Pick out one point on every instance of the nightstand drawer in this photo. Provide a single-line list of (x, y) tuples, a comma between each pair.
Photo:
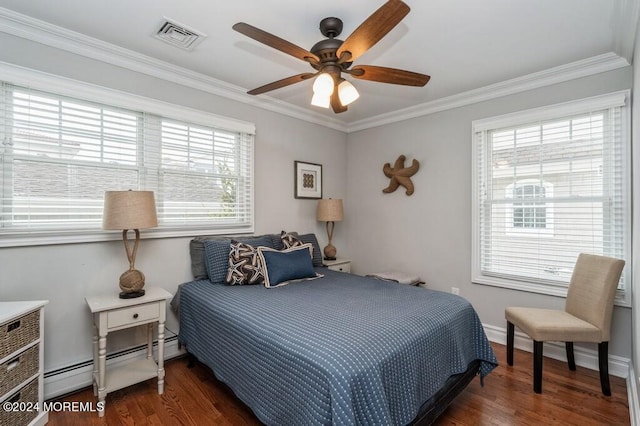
[(342, 267), (132, 315)]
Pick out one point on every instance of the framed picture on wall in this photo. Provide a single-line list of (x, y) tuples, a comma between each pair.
[(308, 180)]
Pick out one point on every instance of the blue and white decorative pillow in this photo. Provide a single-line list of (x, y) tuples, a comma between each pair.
[(245, 266), (290, 239), (288, 265), (216, 255)]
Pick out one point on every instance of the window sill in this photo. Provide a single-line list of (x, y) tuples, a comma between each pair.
[(621, 299), (92, 236)]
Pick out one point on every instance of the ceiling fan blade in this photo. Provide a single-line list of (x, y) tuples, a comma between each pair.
[(336, 105), (389, 75), (372, 30), (275, 42), (281, 83)]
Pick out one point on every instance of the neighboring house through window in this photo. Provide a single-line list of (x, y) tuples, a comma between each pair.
[(530, 209)]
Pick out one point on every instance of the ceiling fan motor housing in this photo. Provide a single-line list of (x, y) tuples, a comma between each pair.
[(326, 49), (331, 27)]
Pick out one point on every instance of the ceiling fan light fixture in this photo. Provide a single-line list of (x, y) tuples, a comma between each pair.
[(323, 85), (321, 100), (347, 93), (331, 57)]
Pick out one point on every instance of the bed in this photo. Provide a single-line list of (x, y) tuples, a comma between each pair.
[(341, 349)]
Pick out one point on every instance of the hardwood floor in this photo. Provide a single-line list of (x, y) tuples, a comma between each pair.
[(193, 396)]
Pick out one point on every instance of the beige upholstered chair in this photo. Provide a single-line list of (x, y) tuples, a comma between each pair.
[(586, 318)]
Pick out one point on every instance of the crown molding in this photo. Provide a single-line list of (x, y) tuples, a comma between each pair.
[(594, 65), (32, 29), (625, 25), (42, 32)]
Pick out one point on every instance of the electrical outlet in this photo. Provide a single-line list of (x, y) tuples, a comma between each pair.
[(455, 290)]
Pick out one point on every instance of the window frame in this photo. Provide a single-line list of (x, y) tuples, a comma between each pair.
[(566, 109), (65, 87)]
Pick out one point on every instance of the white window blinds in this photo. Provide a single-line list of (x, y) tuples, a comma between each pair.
[(59, 155), (205, 176), (550, 184)]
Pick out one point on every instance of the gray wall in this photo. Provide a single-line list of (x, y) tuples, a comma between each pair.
[(429, 233), (66, 274)]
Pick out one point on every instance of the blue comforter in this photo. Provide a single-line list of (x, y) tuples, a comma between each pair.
[(342, 350)]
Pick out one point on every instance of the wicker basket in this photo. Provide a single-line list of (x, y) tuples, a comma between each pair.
[(29, 393), (18, 369), (18, 333)]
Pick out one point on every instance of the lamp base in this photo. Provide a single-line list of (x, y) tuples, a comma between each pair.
[(131, 284), (131, 295), (330, 252)]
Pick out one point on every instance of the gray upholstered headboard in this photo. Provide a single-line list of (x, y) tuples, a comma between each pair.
[(196, 249)]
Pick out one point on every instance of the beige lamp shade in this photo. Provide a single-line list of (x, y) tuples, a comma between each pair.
[(129, 210), (330, 210)]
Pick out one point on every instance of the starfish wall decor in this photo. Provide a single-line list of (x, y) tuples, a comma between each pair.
[(400, 175)]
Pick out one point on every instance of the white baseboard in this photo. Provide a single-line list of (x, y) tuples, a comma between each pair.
[(588, 358), (73, 379)]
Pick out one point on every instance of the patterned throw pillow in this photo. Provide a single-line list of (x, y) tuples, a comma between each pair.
[(290, 240), (245, 266), (216, 254)]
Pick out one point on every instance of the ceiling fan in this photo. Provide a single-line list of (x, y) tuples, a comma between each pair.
[(332, 57)]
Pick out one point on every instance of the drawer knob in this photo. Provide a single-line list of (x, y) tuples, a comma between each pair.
[(135, 316)]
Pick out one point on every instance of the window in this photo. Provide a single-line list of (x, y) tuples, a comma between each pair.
[(549, 184), (60, 154)]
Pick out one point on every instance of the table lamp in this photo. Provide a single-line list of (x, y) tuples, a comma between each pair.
[(330, 211), (130, 210)]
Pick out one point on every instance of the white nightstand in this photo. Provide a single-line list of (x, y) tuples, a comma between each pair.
[(340, 265), (111, 313)]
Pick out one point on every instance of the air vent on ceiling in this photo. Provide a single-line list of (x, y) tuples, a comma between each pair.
[(179, 35)]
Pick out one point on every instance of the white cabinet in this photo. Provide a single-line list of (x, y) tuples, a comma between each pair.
[(22, 363)]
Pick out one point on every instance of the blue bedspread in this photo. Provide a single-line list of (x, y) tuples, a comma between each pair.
[(343, 349)]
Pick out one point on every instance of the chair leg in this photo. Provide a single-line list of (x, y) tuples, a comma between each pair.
[(191, 361), (537, 366), (510, 333), (603, 361), (570, 359)]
